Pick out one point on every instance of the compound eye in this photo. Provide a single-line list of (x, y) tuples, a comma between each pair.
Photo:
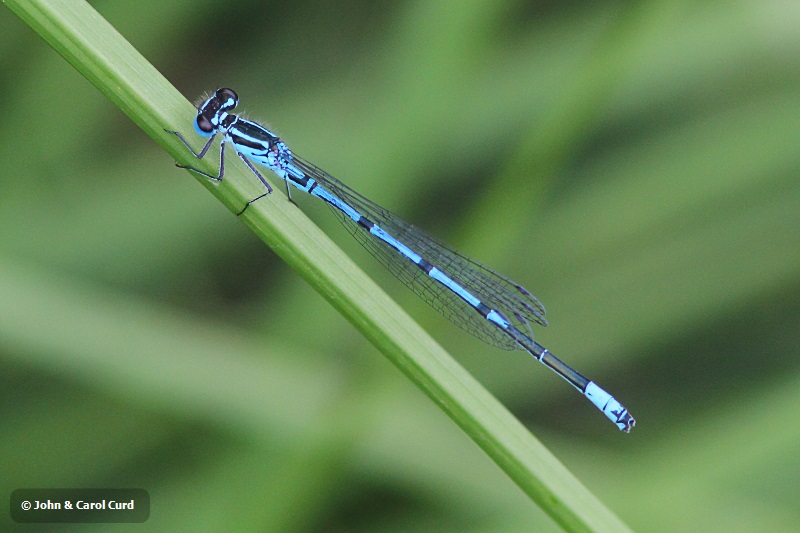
[(227, 99), (204, 126), (228, 94)]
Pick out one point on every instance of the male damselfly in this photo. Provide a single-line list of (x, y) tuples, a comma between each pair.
[(474, 297)]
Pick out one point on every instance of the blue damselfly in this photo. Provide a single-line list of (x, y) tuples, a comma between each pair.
[(474, 297)]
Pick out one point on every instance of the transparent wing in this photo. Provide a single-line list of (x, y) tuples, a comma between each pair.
[(519, 306)]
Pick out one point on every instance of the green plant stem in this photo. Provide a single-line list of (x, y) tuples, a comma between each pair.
[(111, 64)]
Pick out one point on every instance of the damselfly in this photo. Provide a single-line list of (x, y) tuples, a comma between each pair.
[(474, 297)]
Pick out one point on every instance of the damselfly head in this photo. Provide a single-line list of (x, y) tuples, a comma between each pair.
[(213, 111)]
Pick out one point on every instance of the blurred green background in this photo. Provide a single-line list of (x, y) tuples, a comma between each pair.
[(633, 164)]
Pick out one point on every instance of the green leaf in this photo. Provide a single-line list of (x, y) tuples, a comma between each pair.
[(112, 65)]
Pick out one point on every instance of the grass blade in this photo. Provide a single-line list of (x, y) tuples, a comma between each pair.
[(112, 65)]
